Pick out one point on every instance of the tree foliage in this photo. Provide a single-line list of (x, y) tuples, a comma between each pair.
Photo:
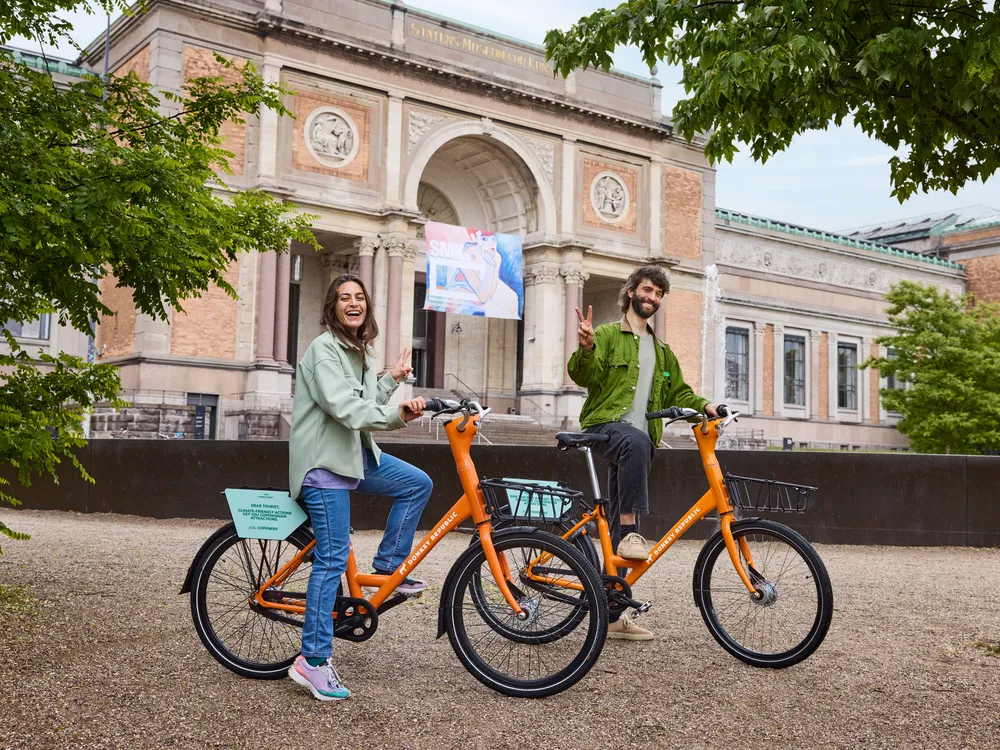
[(945, 358), (922, 77), (108, 180)]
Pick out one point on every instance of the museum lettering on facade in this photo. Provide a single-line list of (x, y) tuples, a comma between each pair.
[(402, 117)]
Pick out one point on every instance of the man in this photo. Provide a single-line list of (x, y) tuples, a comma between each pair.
[(627, 372)]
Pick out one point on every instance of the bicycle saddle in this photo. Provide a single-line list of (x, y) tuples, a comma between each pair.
[(578, 439)]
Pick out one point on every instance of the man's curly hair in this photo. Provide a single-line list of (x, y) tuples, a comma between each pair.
[(654, 274)]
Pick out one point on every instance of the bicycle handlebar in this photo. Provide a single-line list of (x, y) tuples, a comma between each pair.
[(673, 413)]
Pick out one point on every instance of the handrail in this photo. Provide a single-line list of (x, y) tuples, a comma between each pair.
[(537, 405), (466, 385)]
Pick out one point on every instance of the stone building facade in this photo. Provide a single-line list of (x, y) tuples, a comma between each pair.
[(401, 117)]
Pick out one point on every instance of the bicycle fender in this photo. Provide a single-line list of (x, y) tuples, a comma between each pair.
[(222, 530), (471, 550)]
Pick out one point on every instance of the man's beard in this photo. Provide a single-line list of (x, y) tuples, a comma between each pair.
[(637, 307)]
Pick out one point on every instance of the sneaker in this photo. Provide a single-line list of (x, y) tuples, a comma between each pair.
[(625, 629), (634, 547), (408, 586), (323, 681)]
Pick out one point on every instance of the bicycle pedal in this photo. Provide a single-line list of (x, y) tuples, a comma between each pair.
[(413, 595), (643, 608)]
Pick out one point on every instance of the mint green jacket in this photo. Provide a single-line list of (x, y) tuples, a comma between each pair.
[(610, 372), (335, 409)]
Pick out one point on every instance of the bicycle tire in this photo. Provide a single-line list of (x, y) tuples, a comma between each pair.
[(716, 597), (272, 645), (461, 620), (583, 542)]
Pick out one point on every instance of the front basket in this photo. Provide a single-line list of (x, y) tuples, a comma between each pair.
[(764, 495), (529, 500)]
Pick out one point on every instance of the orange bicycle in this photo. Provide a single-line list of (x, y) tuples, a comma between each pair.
[(770, 603), (521, 628)]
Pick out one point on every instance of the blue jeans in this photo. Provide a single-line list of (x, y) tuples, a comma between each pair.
[(330, 512)]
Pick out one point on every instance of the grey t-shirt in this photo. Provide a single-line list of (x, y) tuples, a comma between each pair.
[(636, 415)]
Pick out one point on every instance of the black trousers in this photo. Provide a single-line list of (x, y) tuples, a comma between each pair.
[(630, 453)]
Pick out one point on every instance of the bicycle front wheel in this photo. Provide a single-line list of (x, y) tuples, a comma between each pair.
[(251, 641), (536, 655), (789, 619)]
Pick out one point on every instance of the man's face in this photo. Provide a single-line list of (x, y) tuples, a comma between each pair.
[(646, 299)]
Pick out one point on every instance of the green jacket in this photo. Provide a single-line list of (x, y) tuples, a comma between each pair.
[(610, 372), (335, 409)]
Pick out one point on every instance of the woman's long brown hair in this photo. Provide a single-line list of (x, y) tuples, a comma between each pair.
[(368, 331)]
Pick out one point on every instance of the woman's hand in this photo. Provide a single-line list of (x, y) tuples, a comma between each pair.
[(412, 409), (401, 371)]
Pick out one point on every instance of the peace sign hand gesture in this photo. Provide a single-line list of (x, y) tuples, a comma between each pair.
[(585, 331), (401, 371)]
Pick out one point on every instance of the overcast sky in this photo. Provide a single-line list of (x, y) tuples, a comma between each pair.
[(832, 180)]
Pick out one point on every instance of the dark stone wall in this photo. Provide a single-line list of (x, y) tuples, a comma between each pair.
[(892, 499)]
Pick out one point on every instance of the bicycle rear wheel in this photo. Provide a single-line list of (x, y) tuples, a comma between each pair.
[(539, 655), (789, 620), (252, 642)]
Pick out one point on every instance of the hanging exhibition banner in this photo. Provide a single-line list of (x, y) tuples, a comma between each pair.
[(471, 272)]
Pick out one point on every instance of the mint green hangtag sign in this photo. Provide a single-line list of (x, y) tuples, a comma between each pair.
[(264, 514), (531, 504)]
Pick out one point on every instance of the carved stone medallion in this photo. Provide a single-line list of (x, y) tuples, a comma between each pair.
[(609, 197), (332, 137)]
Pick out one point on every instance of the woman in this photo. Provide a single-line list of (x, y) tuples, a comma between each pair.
[(338, 403)]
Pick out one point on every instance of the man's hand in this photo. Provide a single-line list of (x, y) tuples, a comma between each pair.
[(585, 330), (401, 371), (412, 409), (712, 410)]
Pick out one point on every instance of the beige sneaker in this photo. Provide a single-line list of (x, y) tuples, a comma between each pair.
[(626, 630), (634, 547)]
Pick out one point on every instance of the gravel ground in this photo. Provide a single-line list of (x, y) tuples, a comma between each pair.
[(107, 658)]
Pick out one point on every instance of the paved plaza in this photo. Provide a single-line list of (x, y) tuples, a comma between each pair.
[(107, 657)]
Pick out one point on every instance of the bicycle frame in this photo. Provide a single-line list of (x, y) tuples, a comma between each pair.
[(470, 505), (715, 498)]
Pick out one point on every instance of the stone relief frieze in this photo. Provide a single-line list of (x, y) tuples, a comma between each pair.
[(332, 137), (609, 197), (420, 123), (795, 265), (546, 153)]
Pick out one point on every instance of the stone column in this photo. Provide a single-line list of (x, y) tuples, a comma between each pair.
[(282, 280), (568, 208), (395, 246), (864, 376), (655, 206), (542, 366), (265, 306), (758, 368), (832, 373), (333, 266), (813, 370), (573, 274), (779, 370), (366, 254), (268, 159), (394, 150)]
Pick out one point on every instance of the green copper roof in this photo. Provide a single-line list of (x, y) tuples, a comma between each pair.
[(837, 239), (50, 64)]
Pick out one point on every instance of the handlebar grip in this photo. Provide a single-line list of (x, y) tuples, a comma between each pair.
[(672, 412), (722, 410), (434, 404)]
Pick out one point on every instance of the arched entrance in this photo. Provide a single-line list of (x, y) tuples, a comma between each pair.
[(474, 181)]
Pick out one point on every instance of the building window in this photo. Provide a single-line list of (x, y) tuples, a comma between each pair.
[(36, 329), (795, 370), (847, 376), (890, 380), (737, 364)]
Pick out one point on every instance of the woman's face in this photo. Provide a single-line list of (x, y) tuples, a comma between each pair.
[(351, 308)]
